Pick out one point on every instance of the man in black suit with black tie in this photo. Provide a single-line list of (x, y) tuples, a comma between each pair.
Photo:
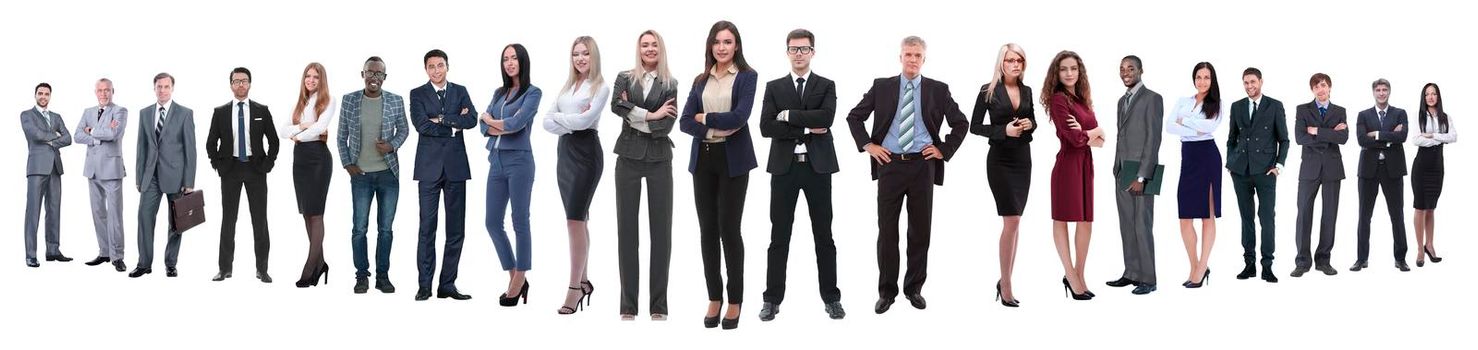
[(232, 127), (907, 154), (1257, 148), (1380, 131), (797, 114), (1320, 128)]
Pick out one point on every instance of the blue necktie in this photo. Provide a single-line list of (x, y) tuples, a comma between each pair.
[(1322, 111), (241, 132)]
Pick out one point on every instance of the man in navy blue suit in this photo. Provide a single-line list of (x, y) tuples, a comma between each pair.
[(440, 111)]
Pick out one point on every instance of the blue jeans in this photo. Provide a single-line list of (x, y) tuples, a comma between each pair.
[(510, 179), (385, 186)]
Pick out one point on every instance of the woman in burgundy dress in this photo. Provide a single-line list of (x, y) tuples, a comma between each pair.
[(1070, 106)]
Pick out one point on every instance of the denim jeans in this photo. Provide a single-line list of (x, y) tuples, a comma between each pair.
[(385, 186)]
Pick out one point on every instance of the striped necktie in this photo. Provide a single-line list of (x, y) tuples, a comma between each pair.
[(905, 126)]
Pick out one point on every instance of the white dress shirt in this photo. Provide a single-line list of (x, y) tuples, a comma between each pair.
[(638, 115), (1438, 138), (243, 107), (800, 148), (566, 117), (319, 120), (1193, 125)]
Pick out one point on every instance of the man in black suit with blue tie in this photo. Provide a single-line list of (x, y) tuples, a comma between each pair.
[(235, 147), (1257, 148), (1380, 131), (1320, 128), (440, 111), (797, 113)]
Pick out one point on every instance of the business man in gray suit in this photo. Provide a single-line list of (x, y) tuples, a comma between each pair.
[(166, 168), (101, 128), (1319, 127), (45, 137), (1141, 113)]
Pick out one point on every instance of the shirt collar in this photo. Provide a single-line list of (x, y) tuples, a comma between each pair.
[(1324, 105), (166, 106), (1378, 108), (733, 69), (439, 88), (807, 76), (41, 110), (1135, 89), (235, 101), (915, 81)]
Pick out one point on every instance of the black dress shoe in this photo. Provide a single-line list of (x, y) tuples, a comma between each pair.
[(1299, 271), (1327, 270), (883, 305), (1143, 288), (423, 294), (64, 258), (916, 300), (264, 277), (97, 261), (361, 285), (1359, 265), (834, 310), (1401, 265), (171, 272), (221, 276), (768, 311), (453, 293), (118, 265), (140, 271), (1121, 282), (730, 323), (383, 284), (1247, 272), (31, 262), (1267, 275)]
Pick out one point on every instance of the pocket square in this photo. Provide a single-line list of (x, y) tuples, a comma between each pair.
[(256, 118)]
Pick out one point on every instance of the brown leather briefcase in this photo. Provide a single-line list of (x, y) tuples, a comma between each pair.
[(189, 210)]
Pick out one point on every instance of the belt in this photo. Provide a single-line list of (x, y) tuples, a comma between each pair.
[(800, 158), (908, 156)]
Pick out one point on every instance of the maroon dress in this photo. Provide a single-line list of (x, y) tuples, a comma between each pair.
[(1072, 176)]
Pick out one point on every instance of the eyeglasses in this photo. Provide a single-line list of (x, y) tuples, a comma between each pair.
[(1015, 60), (240, 81), (799, 49), (374, 75)]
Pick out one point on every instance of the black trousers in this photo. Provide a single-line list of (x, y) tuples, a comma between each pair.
[(1256, 196), (901, 182), (720, 203), (454, 194), (785, 190), (232, 180), (1369, 188), (1307, 191)]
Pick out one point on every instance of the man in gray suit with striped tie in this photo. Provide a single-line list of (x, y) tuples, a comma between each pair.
[(45, 136), (101, 128), (166, 168)]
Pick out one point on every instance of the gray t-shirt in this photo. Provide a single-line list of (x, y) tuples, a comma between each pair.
[(371, 113)]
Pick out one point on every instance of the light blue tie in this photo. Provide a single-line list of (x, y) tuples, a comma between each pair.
[(241, 132), (905, 127)]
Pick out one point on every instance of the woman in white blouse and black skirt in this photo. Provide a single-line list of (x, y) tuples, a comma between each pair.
[(574, 117), (312, 164), (1195, 119), (1434, 130)]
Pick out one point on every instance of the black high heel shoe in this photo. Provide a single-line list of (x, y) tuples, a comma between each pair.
[(1205, 279), (523, 292), (1006, 303), (1431, 255), (731, 323), (322, 274), (589, 290), (1068, 289), (566, 310), (710, 322)]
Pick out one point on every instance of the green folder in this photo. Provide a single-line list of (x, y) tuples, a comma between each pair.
[(1129, 172)]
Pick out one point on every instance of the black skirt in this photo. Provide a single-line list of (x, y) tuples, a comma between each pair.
[(312, 169), (1426, 177), (1199, 193), (579, 170), (1008, 171)]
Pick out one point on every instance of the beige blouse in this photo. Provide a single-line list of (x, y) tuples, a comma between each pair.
[(718, 96)]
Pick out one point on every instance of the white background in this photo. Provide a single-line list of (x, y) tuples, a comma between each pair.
[(72, 44)]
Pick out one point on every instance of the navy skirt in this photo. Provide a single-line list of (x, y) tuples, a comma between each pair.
[(1199, 194)]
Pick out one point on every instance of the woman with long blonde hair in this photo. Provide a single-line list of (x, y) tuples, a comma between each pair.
[(1008, 164), (574, 117)]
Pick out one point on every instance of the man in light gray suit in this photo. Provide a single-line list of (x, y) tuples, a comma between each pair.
[(166, 167), (1141, 113), (102, 128), (45, 136)]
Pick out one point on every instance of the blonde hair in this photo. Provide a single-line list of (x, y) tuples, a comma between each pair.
[(990, 89), (593, 74), (663, 74)]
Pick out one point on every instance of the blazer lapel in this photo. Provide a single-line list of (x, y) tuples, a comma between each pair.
[(888, 105), (1124, 117)]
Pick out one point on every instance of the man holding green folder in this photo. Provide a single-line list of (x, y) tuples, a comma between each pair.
[(1137, 175)]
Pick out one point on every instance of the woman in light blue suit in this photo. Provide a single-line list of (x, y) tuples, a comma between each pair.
[(511, 168)]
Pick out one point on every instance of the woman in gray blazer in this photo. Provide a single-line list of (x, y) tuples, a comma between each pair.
[(645, 98)]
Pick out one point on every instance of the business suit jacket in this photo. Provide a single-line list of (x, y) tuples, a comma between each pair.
[(43, 142), (653, 146), (104, 143), (173, 154), (220, 141), (1258, 141), (739, 147), (818, 111), (1140, 133), (1389, 142), (441, 151), (393, 128), (938, 108), (1321, 157)]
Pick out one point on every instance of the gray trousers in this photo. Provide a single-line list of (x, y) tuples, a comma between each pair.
[(629, 174), (149, 201), (1136, 222), (43, 190), (107, 216)]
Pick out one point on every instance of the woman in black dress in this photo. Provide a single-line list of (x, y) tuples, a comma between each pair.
[(1435, 129), (312, 164), (1009, 164)]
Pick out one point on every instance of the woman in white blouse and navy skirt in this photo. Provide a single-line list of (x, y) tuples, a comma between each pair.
[(1195, 120), (312, 164), (576, 112), (1435, 129)]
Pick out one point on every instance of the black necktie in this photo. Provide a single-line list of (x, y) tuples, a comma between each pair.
[(1381, 117), (1322, 111), (440, 95), (800, 90), (100, 114), (159, 125)]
